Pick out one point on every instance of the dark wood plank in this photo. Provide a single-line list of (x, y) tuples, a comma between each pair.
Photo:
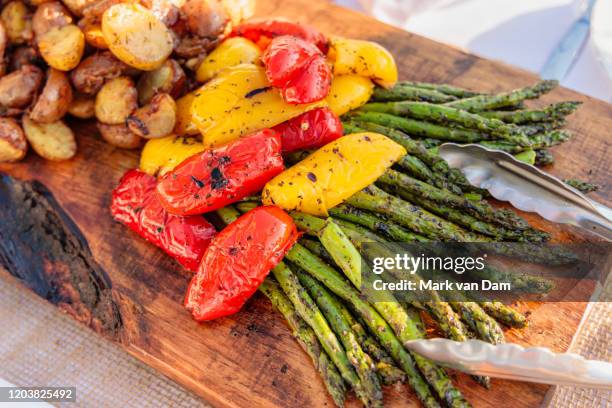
[(250, 359)]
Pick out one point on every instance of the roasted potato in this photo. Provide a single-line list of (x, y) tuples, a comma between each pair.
[(62, 47), (119, 136), (169, 78), (116, 100), (205, 18), (77, 7), (136, 36), (50, 15), (52, 141), (18, 88), (157, 119), (82, 106), (239, 10), (89, 76), (55, 98), (191, 46), (23, 55), (93, 35), (17, 21), (231, 52), (13, 144), (3, 46), (166, 11)]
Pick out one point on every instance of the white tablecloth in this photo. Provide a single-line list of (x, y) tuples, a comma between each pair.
[(518, 32)]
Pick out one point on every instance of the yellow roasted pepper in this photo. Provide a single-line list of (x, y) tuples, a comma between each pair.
[(240, 101), (159, 156), (349, 92), (333, 173), (184, 125), (364, 58), (231, 52)]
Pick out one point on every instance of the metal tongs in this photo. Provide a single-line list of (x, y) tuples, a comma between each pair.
[(513, 362), (528, 188)]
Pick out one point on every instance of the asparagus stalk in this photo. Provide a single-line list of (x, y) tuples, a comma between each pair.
[(481, 323), (363, 363), (410, 216), (504, 314), (420, 128), (403, 92), (544, 157), (378, 326), (481, 210), (442, 88), (542, 127), (388, 371), (414, 166), (449, 115), (582, 186), (487, 102), (375, 223), (307, 339), (549, 113), (309, 311), (538, 141)]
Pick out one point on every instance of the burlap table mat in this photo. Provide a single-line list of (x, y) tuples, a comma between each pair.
[(41, 346)]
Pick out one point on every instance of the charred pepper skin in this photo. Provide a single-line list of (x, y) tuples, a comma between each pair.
[(238, 260), (134, 203), (217, 177), (310, 130)]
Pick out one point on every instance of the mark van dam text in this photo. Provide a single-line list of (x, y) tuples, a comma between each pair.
[(404, 285)]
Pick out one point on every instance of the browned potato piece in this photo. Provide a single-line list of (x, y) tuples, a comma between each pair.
[(154, 120), (94, 36), (18, 88), (191, 46), (239, 10), (13, 144), (169, 78), (136, 36), (91, 73), (116, 100), (165, 11), (24, 55), (62, 47), (77, 7), (17, 20), (55, 98), (82, 106), (50, 15), (3, 45), (205, 18), (52, 141), (120, 136)]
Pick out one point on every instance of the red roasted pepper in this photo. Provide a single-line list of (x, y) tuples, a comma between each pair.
[(135, 204), (238, 260), (310, 130), (298, 68), (217, 177), (263, 32)]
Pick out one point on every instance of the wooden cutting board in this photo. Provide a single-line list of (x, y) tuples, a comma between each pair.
[(131, 293)]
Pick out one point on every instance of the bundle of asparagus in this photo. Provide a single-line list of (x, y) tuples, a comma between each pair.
[(358, 344)]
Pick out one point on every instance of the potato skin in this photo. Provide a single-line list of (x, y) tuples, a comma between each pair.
[(205, 18), (17, 21), (116, 100), (119, 136), (82, 106), (62, 47), (136, 36), (154, 120), (55, 98), (13, 144), (50, 15), (18, 88), (89, 76), (169, 78), (3, 46), (52, 141), (93, 35), (23, 55)]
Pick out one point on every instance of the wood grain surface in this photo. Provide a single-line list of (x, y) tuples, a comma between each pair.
[(250, 359)]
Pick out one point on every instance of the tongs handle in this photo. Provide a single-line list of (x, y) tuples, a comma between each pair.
[(513, 362)]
